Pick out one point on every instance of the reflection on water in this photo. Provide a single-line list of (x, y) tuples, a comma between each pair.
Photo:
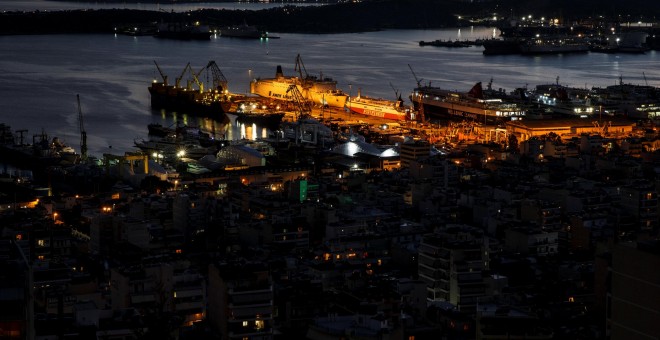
[(217, 129), (112, 74)]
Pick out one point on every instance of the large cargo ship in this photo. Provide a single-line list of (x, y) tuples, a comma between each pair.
[(192, 99), (317, 90), (537, 45), (183, 31), (244, 31), (377, 107), (472, 105), (554, 45)]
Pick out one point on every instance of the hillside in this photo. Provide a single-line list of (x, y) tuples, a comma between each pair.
[(343, 17)]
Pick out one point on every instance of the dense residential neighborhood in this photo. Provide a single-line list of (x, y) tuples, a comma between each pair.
[(558, 231)]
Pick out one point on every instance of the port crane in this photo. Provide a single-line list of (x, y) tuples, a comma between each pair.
[(302, 106), (420, 110), (83, 133), (177, 81), (306, 81), (162, 75), (219, 81), (300, 68)]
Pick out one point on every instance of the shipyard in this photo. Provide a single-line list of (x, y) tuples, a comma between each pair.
[(193, 179), (371, 191)]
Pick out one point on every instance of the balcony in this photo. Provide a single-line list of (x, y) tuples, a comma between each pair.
[(248, 299), (250, 312)]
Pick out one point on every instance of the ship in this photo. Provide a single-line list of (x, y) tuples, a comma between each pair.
[(377, 107), (562, 100), (244, 31), (554, 45), (191, 99), (317, 90), (183, 31), (501, 46), (42, 153), (472, 105)]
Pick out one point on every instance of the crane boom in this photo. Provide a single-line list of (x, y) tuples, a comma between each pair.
[(417, 80), (83, 134), (302, 105), (220, 83), (300, 67), (177, 81), (162, 75)]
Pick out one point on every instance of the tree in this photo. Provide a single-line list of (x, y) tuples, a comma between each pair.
[(512, 144)]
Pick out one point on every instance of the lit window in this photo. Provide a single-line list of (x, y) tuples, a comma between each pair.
[(259, 324), (245, 323), (41, 243)]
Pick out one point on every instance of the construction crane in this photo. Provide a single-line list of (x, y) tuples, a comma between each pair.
[(177, 81), (219, 81), (162, 75), (195, 77), (83, 134), (302, 105), (420, 110), (417, 80), (300, 68)]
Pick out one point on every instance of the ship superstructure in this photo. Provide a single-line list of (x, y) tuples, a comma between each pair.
[(317, 90), (472, 105)]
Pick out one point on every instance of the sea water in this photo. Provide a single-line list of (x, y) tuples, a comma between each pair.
[(40, 75)]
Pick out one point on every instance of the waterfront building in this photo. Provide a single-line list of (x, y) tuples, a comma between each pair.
[(413, 151), (567, 128)]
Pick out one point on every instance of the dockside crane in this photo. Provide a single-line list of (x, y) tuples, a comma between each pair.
[(420, 110), (177, 81), (219, 81), (302, 106), (83, 133), (417, 80), (162, 75), (303, 110), (300, 68)]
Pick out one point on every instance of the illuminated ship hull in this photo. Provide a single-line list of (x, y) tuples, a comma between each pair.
[(318, 91), (206, 104), (437, 102), (378, 108)]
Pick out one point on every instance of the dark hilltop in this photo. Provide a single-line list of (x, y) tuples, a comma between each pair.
[(332, 18)]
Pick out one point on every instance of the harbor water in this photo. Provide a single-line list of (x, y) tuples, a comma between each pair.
[(40, 75)]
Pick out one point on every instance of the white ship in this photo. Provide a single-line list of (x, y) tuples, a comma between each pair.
[(317, 90)]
